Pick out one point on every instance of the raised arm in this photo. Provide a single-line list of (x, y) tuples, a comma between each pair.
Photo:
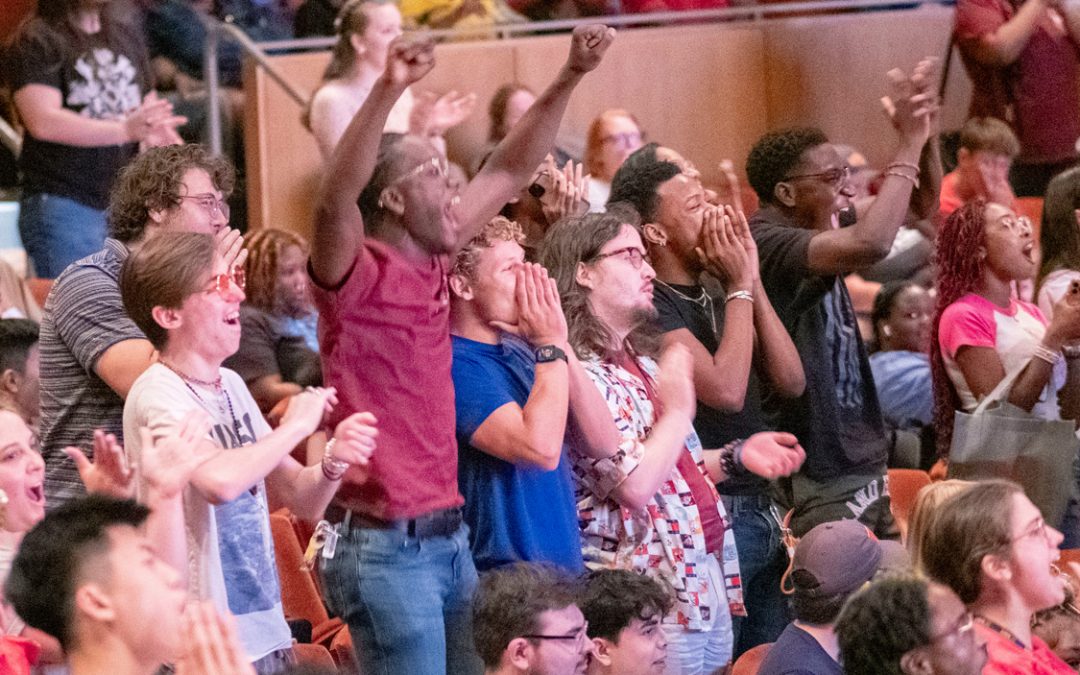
[(533, 435), (843, 250), (1003, 46), (516, 157), (339, 229)]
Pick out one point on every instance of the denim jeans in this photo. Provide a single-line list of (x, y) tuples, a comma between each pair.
[(762, 561), (57, 231), (407, 601)]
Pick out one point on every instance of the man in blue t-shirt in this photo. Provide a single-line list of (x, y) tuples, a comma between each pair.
[(514, 377)]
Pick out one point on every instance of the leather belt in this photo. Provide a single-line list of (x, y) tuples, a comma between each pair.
[(441, 523)]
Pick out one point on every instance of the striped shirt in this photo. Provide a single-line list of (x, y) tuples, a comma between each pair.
[(84, 316)]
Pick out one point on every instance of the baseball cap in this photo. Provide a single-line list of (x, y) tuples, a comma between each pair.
[(840, 556)]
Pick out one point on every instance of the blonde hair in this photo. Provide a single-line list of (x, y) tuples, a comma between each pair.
[(496, 230), (927, 504)]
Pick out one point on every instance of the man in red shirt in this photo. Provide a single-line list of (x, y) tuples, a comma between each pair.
[(387, 218), (1022, 59)]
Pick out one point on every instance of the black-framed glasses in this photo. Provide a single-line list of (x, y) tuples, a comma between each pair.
[(833, 177), (211, 204), (632, 253), (580, 636)]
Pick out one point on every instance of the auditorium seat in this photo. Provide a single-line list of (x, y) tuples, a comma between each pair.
[(1032, 207), (299, 596), (343, 652), (904, 486), (750, 661), (39, 288), (314, 655)]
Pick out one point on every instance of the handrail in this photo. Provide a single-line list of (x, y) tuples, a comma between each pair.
[(216, 29), (10, 138)]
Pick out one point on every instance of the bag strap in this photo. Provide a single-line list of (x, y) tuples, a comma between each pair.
[(788, 538), (945, 68)]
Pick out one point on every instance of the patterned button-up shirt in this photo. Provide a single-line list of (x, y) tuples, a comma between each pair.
[(665, 540)]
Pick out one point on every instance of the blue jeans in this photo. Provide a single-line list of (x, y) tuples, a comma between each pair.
[(407, 601), (57, 231), (762, 561)]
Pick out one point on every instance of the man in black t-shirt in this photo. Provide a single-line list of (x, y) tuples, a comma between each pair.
[(686, 236), (803, 186)]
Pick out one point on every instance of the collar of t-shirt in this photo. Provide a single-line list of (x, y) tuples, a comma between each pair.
[(712, 525)]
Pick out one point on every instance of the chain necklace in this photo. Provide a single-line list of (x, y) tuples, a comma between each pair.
[(704, 301), (222, 398)]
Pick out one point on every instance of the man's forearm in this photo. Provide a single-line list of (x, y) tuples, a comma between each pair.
[(924, 203)]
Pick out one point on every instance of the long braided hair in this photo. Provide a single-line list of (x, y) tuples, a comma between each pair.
[(959, 271), (265, 248)]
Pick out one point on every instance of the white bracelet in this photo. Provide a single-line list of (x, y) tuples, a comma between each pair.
[(740, 295), (1044, 353), (332, 468)]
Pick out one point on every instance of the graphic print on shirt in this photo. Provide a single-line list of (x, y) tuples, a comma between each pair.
[(105, 86)]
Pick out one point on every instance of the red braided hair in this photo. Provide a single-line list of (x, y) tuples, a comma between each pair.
[(959, 271)]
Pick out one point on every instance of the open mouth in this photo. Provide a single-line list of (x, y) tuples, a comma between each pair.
[(1029, 251), (233, 319), (36, 494)]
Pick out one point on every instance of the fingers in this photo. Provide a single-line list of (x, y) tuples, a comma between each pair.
[(82, 462)]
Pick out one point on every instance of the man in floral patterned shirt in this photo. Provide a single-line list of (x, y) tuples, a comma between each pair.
[(662, 515)]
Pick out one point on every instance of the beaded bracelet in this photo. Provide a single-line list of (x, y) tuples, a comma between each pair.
[(731, 458), (740, 295), (914, 181), (906, 165), (332, 468)]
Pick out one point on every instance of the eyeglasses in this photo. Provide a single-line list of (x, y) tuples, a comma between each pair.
[(630, 139), (1040, 529), (435, 167), (633, 254), (581, 636), (963, 625), (211, 204), (1021, 223), (833, 177), (222, 283)]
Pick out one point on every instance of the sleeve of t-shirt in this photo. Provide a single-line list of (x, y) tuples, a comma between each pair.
[(965, 324), (975, 18), (257, 356), (783, 252), (36, 57), (157, 402), (89, 315), (479, 390), (668, 314)]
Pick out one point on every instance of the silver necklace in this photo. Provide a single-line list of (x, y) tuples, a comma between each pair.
[(704, 300)]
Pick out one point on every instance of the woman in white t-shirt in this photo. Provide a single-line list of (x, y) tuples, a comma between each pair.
[(982, 332), (365, 29), (1059, 240)]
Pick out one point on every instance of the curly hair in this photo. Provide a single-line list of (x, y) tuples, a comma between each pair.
[(638, 179), (775, 154), (509, 601), (497, 109), (151, 182), (967, 527), (497, 229), (881, 623), (959, 271), (614, 598), (572, 241), (1059, 237), (265, 248), (883, 306)]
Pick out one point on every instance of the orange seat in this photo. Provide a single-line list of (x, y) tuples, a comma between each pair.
[(39, 288), (314, 655), (904, 486), (750, 661), (1032, 207), (1069, 555), (299, 596), (344, 654)]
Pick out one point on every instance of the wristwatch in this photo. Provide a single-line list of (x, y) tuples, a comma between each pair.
[(549, 353)]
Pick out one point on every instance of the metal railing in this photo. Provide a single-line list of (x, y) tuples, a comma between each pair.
[(218, 30)]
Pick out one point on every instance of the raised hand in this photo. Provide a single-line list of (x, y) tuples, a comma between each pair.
[(308, 408), (355, 439), (151, 119), (909, 105), (587, 47), (450, 110), (675, 382), (772, 454), (731, 182), (721, 251), (212, 647), (166, 464), (570, 191), (411, 57), (109, 473), (229, 251), (540, 316), (742, 233)]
